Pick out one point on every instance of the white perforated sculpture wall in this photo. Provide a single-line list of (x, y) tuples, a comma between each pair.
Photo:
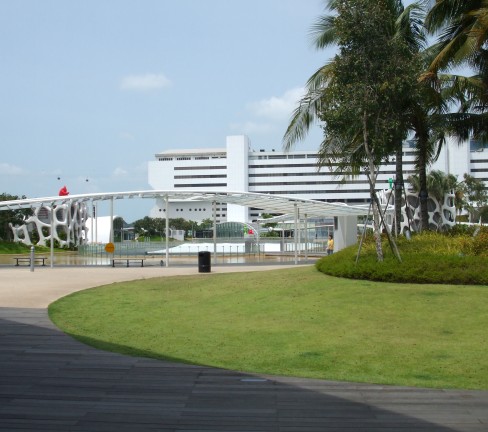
[(441, 216), (68, 225)]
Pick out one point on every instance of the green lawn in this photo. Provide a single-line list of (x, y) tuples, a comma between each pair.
[(296, 322), (20, 248)]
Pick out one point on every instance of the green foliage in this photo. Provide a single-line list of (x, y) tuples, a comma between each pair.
[(462, 28), (145, 226), (477, 245), (372, 77), (296, 322), (15, 217), (428, 257), (268, 225), (475, 196), (438, 185), (156, 227), (19, 248), (34, 235), (270, 234)]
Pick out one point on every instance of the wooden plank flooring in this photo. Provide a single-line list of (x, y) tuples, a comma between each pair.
[(50, 382)]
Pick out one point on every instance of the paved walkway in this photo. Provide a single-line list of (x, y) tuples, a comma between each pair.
[(50, 382)]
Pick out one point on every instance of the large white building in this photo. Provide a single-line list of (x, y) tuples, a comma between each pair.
[(239, 168)]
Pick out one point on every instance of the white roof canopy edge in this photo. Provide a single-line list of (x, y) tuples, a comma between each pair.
[(272, 203)]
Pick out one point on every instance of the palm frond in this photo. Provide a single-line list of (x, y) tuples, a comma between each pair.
[(323, 32)]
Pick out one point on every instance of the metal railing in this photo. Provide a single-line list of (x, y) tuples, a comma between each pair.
[(226, 251)]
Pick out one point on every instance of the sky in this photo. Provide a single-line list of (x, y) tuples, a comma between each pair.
[(91, 90)]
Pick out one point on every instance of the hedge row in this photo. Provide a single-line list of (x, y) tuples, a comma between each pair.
[(459, 256)]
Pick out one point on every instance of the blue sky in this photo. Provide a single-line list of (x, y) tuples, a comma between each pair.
[(91, 90)]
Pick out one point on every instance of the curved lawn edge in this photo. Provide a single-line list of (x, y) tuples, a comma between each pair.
[(295, 322)]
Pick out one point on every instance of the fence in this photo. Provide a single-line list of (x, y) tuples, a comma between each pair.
[(227, 252)]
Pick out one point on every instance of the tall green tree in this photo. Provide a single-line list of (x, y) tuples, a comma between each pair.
[(407, 28), (475, 196), (15, 217), (361, 107), (118, 225), (359, 96)]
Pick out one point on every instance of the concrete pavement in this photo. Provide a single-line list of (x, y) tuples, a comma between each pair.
[(51, 382)]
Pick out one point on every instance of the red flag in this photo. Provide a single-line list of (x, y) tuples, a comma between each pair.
[(63, 191)]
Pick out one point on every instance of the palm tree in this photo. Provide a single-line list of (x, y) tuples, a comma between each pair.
[(408, 27), (419, 110), (463, 28), (439, 184), (427, 119), (349, 151)]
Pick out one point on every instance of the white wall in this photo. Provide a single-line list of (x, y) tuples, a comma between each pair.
[(237, 174), (454, 159), (345, 234)]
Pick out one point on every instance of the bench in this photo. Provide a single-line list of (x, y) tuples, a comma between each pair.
[(128, 261), (27, 260)]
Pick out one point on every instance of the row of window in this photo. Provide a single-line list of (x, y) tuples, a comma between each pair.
[(314, 165), (477, 146), (313, 174), (283, 156), (199, 209), (306, 183), (286, 165), (200, 185), (201, 176), (185, 158), (321, 191), (216, 215), (210, 167), (318, 191)]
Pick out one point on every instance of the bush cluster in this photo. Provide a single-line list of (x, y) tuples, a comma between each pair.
[(458, 256)]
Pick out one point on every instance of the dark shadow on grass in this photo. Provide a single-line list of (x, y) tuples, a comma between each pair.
[(50, 381)]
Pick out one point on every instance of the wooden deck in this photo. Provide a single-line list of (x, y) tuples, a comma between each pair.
[(50, 382)]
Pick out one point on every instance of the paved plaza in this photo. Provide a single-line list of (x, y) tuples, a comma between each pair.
[(50, 382)]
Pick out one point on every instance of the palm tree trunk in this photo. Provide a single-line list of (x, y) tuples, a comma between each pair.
[(398, 187), (423, 192)]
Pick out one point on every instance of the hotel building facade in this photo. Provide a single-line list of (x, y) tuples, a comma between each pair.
[(239, 168)]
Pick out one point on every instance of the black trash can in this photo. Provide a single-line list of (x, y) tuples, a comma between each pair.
[(204, 262)]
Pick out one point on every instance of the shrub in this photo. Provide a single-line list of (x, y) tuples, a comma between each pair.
[(427, 258), (480, 243)]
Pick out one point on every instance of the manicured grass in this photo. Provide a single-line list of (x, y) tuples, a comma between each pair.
[(296, 322)]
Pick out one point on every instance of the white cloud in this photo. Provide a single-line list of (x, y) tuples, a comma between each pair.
[(277, 107), (269, 116), (119, 172), (7, 169), (146, 82)]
